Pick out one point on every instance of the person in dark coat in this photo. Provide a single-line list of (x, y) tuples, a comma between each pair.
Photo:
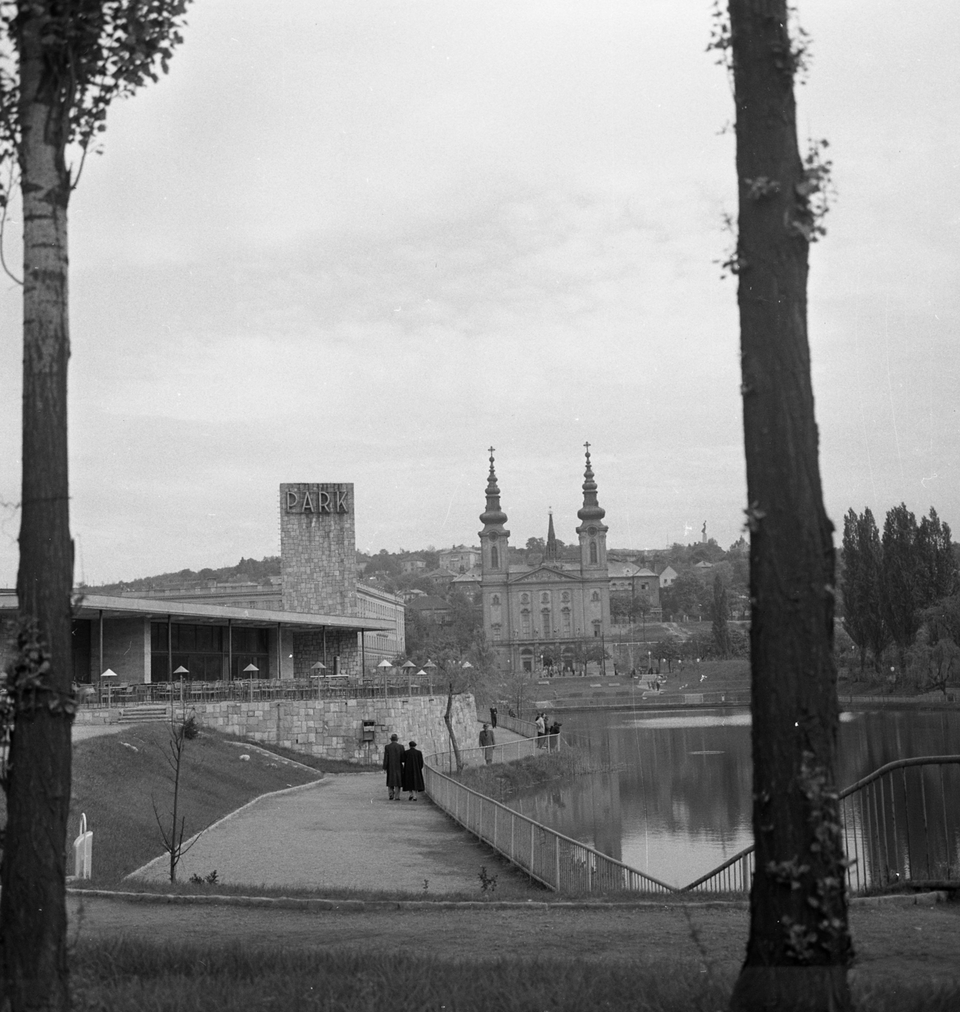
[(487, 741), (393, 764), (493, 716), (413, 771)]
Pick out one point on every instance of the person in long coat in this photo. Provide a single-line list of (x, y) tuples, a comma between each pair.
[(393, 764), (413, 771)]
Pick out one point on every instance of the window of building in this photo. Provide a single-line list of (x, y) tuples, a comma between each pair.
[(496, 630), (545, 621), (565, 596), (545, 598), (203, 650), (525, 621), (565, 618), (593, 551), (596, 629), (524, 598), (595, 596), (494, 557)]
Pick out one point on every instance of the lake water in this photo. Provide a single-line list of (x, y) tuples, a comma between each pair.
[(678, 803)]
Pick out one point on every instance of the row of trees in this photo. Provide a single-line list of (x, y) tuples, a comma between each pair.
[(896, 583)]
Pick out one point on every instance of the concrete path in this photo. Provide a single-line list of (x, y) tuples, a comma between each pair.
[(342, 832)]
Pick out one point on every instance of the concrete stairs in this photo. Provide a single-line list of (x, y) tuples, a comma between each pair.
[(141, 712)]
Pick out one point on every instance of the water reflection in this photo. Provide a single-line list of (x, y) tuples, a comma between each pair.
[(676, 802)]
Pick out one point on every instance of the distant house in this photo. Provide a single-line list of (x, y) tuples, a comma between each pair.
[(431, 608), (667, 576), (441, 578), (466, 583), (633, 581), (459, 559), (412, 566)]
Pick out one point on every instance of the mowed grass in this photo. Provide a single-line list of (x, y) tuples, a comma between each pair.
[(127, 974), (119, 778)]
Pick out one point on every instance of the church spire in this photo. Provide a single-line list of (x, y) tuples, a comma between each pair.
[(493, 515), (552, 552), (591, 511), (494, 538)]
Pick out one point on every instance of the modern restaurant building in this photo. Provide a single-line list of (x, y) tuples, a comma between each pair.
[(316, 615)]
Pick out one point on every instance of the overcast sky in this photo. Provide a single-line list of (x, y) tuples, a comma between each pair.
[(365, 241)]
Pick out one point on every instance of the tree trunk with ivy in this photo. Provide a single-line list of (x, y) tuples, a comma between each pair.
[(799, 945), (448, 720), (33, 898)]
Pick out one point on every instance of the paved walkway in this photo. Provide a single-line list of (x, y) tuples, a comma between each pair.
[(342, 832)]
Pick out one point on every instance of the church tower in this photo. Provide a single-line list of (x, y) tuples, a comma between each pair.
[(494, 568), (592, 530), (494, 538)]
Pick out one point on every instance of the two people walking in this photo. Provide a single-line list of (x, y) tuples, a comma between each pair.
[(404, 769)]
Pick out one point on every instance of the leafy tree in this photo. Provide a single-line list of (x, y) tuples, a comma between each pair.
[(65, 61), (799, 944), (861, 583), (720, 613)]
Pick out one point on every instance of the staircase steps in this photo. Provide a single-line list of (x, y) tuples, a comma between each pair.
[(143, 712)]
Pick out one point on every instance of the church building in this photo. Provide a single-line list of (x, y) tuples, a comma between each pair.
[(554, 614)]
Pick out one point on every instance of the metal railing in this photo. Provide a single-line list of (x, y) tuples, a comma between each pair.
[(556, 861), (133, 694), (897, 830)]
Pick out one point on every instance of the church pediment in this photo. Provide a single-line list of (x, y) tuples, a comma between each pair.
[(544, 574)]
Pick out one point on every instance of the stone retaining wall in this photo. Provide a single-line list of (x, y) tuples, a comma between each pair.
[(334, 728)]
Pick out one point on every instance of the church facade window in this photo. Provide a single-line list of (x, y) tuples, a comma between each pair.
[(593, 552)]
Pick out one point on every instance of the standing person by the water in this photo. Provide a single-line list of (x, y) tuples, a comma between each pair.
[(541, 729), (413, 771), (393, 764), (487, 741)]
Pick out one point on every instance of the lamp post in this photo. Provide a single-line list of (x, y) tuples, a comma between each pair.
[(251, 671), (319, 667), (384, 667), (182, 672), (108, 674), (408, 666), (431, 667)]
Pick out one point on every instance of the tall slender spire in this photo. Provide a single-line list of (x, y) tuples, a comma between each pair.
[(552, 552), (493, 515), (591, 509)]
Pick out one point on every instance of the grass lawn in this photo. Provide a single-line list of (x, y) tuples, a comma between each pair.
[(118, 779)]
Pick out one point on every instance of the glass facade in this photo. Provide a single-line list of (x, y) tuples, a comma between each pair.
[(204, 650)]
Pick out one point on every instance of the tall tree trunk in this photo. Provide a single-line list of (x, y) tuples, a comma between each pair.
[(448, 720), (33, 874), (799, 945)]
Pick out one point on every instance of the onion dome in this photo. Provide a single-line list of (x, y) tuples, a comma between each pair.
[(493, 516), (591, 509)]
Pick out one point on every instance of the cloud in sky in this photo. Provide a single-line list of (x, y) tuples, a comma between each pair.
[(364, 242)]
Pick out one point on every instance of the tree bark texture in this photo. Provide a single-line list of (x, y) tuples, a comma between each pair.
[(799, 945), (33, 873)]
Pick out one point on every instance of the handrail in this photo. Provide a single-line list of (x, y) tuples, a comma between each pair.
[(553, 859), (866, 880), (927, 760)]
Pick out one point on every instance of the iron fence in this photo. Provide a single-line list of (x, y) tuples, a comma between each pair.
[(898, 829), (556, 861), (188, 691)]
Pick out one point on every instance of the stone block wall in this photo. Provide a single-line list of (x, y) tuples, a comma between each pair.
[(333, 728), (318, 549), (309, 647)]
